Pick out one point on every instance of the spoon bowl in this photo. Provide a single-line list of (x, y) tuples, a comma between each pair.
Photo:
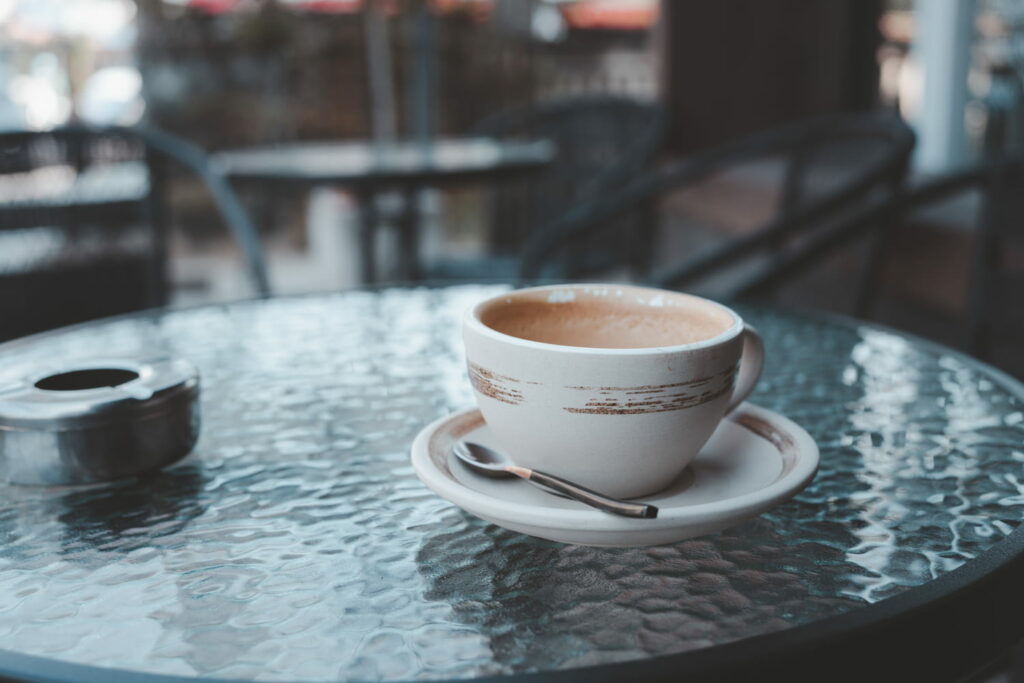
[(484, 460)]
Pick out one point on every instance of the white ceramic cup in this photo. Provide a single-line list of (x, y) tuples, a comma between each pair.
[(622, 421)]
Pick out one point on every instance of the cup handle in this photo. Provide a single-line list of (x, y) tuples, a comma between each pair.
[(751, 363)]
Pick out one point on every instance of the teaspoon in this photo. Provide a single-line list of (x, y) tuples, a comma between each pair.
[(492, 463)]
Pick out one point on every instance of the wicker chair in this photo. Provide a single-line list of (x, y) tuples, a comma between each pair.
[(83, 223)]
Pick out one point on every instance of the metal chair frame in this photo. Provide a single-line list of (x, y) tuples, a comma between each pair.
[(797, 217), (554, 192), (999, 183)]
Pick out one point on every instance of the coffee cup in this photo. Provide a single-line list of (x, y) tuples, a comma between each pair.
[(614, 387)]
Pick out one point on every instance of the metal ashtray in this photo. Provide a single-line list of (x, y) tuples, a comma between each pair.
[(98, 421)]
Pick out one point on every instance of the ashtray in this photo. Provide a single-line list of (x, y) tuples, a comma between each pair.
[(99, 420)]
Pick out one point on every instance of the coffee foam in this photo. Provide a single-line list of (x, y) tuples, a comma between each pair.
[(615, 318)]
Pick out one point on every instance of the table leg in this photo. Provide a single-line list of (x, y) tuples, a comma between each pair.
[(367, 236), (410, 236)]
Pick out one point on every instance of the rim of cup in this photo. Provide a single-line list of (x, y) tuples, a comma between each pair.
[(473, 322)]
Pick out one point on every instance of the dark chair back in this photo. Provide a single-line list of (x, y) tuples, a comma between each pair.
[(602, 142), (83, 223), (830, 166), (994, 300)]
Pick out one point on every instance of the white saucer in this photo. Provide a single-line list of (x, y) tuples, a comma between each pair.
[(755, 460)]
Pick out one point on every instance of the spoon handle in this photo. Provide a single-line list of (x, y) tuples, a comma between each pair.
[(593, 498)]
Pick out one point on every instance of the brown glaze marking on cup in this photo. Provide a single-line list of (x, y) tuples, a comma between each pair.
[(495, 386), (654, 388), (607, 405), (654, 398)]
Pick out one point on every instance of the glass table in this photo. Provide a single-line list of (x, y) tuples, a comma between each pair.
[(368, 168), (296, 544)]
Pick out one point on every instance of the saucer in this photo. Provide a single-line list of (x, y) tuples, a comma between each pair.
[(755, 460)]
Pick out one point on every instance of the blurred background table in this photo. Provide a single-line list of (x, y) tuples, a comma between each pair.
[(368, 168), (297, 544)]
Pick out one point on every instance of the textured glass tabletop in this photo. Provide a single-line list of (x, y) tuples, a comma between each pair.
[(297, 544)]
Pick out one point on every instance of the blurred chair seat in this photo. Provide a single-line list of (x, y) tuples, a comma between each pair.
[(31, 250), (102, 185), (69, 293), (49, 277)]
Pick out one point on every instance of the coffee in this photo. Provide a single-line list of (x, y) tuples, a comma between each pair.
[(603, 319)]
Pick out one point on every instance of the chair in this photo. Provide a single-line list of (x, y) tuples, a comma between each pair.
[(83, 226), (830, 165), (996, 274), (602, 142)]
